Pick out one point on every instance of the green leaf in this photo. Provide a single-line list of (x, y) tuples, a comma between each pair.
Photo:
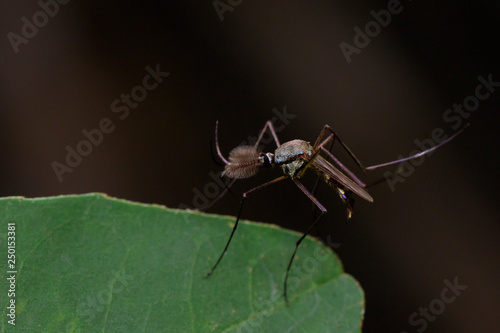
[(89, 263)]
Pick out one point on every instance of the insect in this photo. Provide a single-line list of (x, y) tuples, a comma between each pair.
[(295, 157)]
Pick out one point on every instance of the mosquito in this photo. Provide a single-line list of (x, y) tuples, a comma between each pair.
[(295, 157)]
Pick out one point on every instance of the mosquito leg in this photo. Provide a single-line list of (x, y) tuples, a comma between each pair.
[(315, 186), (320, 143), (320, 147), (269, 125), (336, 136), (255, 189), (227, 188), (226, 162), (323, 211), (418, 154), (385, 178), (399, 169), (319, 177), (343, 167)]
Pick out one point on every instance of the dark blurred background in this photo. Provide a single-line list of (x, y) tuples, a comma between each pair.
[(441, 223)]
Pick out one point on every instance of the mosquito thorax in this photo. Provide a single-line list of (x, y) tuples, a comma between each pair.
[(291, 155)]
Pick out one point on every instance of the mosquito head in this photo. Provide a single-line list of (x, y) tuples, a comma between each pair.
[(245, 161)]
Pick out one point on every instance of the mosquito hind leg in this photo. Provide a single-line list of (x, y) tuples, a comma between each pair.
[(323, 211), (313, 191), (320, 143), (255, 189), (399, 169), (269, 125), (417, 155), (326, 129)]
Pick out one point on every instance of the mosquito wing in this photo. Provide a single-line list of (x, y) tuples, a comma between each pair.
[(322, 165)]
